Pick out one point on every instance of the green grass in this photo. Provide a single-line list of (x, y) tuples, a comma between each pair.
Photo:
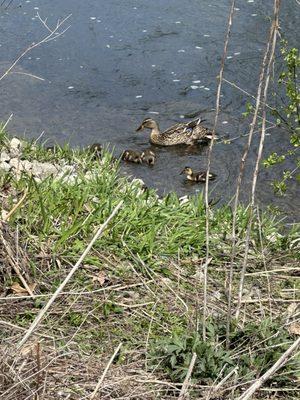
[(156, 240)]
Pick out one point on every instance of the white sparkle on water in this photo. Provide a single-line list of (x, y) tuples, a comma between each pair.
[(194, 87), (153, 112), (181, 51), (138, 96), (98, 20), (253, 15), (144, 30), (206, 35), (178, 22), (37, 58), (153, 65), (224, 122), (108, 46), (198, 47), (202, 87), (70, 87), (181, 116), (36, 8), (206, 88), (176, 80), (237, 53), (198, 81), (81, 66), (228, 57), (236, 9), (92, 18), (250, 1)]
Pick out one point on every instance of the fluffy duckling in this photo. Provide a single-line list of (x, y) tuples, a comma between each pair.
[(148, 156), (132, 156), (96, 150), (197, 176)]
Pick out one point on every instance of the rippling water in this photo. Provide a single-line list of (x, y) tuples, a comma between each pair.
[(121, 61)]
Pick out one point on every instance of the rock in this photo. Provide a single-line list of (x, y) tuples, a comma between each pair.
[(27, 165), (16, 164), (4, 156), (15, 146), (5, 166), (42, 170)]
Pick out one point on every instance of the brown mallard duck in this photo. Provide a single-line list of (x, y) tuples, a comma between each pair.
[(132, 156), (197, 176), (148, 156), (181, 133)]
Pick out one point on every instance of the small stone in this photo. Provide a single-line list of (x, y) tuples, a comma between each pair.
[(5, 166), (4, 156), (16, 164), (15, 146), (27, 165)]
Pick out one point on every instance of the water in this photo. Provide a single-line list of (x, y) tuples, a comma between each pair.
[(122, 61)]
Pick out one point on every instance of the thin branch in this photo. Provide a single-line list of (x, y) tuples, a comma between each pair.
[(273, 37), (68, 277), (271, 371), (209, 162), (105, 371), (185, 385), (239, 182), (52, 35)]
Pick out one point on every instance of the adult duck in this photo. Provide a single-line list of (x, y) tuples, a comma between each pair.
[(182, 133)]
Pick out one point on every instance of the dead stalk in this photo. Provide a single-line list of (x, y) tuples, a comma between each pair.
[(239, 182), (105, 371), (273, 39), (220, 77), (185, 385), (271, 371), (43, 311)]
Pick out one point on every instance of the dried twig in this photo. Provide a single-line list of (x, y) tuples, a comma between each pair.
[(53, 34), (15, 207), (185, 385), (209, 162), (68, 277), (105, 371), (239, 182), (273, 39), (271, 371)]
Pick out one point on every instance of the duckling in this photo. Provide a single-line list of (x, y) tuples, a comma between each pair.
[(182, 133), (148, 156), (96, 150), (132, 156), (197, 176)]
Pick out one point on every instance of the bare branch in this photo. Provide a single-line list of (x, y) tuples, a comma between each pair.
[(209, 162), (53, 34)]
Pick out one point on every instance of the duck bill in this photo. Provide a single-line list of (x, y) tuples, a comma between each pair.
[(140, 128)]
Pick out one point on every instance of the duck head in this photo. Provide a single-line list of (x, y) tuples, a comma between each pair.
[(187, 171), (148, 123)]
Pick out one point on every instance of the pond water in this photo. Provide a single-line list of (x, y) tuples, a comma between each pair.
[(121, 61)]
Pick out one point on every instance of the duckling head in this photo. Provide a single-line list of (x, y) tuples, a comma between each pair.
[(148, 123), (187, 171)]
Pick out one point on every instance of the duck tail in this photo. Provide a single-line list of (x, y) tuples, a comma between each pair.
[(209, 136), (211, 176)]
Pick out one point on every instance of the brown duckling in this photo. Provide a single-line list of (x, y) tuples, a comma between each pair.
[(197, 176), (132, 156), (148, 156), (96, 150)]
